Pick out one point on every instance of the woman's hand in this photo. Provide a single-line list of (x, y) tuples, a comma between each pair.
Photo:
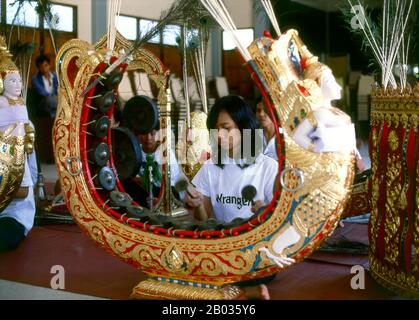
[(257, 205), (193, 199)]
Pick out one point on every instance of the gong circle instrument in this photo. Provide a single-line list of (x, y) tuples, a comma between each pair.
[(185, 258)]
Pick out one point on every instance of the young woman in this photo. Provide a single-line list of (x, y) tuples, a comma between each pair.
[(237, 161)]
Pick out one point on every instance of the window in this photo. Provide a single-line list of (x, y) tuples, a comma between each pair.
[(22, 14), (192, 38), (62, 18), (127, 26), (146, 25), (170, 33), (132, 27), (25, 14), (247, 36)]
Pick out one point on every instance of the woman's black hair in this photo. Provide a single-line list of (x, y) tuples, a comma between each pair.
[(243, 117)]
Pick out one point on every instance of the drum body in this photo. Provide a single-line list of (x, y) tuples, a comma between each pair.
[(394, 182)]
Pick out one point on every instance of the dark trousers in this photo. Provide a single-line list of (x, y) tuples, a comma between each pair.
[(139, 195), (11, 234), (256, 282)]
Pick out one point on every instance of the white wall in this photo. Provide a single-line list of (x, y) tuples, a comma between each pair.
[(241, 10), (145, 8), (84, 17)]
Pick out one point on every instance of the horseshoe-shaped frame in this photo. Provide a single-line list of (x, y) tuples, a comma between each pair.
[(189, 264)]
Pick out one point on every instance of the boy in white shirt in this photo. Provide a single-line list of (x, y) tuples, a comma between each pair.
[(139, 187), (269, 137)]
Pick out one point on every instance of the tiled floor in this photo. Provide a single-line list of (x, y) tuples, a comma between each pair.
[(91, 272), (10, 290)]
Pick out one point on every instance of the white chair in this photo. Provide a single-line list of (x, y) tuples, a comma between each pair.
[(176, 88), (221, 86), (144, 85), (364, 90), (127, 86), (178, 107), (193, 90)]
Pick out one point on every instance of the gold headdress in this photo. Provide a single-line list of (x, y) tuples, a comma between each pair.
[(6, 63), (294, 97), (273, 60), (314, 69)]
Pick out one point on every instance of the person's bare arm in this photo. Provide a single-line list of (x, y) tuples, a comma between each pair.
[(208, 207), (257, 205), (22, 193), (199, 204)]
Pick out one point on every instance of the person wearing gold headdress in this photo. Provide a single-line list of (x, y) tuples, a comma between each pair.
[(17, 218)]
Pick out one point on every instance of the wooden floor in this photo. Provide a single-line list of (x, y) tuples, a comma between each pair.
[(91, 271)]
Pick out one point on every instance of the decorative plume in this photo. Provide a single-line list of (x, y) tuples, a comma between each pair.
[(197, 52), (114, 9), (193, 47), (174, 13), (197, 23), (388, 41), (43, 8), (267, 5), (220, 13), (195, 15)]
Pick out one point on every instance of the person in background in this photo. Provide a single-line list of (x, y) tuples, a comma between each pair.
[(42, 106), (146, 184), (45, 85), (269, 148)]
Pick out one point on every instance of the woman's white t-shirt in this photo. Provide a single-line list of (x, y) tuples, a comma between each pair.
[(224, 186)]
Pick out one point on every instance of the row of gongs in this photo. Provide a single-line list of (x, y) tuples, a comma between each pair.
[(123, 201), (99, 154), (127, 153)]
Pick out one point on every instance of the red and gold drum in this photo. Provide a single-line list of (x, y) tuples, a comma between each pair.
[(394, 224)]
